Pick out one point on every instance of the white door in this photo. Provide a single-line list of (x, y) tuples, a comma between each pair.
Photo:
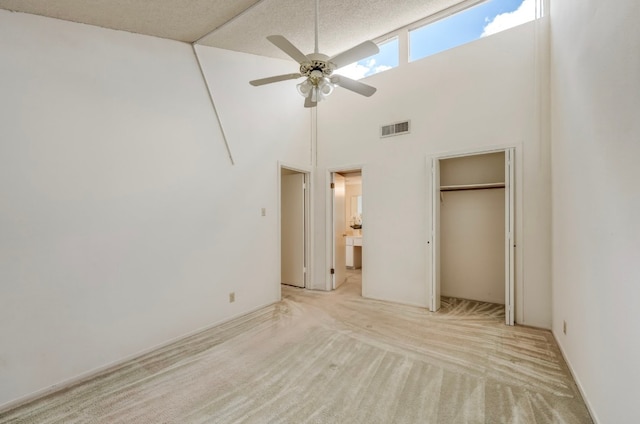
[(292, 229), (509, 250), (339, 231), (434, 304)]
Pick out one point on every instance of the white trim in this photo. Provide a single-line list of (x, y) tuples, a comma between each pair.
[(303, 169), (471, 151), (509, 215), (213, 103), (438, 16), (428, 20), (328, 231), (590, 408), (432, 235)]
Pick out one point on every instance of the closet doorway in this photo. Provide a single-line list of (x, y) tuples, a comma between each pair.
[(472, 229), (294, 227)]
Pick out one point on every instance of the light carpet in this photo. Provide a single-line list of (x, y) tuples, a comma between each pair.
[(319, 357)]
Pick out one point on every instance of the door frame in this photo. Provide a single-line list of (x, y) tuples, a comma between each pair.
[(513, 224), (308, 221), (330, 245)]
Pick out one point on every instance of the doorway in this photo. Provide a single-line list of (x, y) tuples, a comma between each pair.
[(472, 229), (346, 229), (294, 227)]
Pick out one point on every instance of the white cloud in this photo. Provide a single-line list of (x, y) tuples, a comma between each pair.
[(525, 13), (357, 70), (381, 68)]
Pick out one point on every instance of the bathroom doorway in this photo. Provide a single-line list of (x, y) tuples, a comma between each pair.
[(294, 227), (347, 229)]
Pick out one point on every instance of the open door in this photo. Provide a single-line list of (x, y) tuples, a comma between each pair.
[(510, 244), (339, 234), (434, 304), (292, 225)]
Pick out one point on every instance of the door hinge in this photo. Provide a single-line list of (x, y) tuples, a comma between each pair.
[(333, 185), (304, 186), (333, 271)]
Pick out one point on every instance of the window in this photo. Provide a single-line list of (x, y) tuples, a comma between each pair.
[(471, 24), (387, 58), (483, 19)]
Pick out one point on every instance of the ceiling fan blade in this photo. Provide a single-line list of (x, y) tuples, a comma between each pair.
[(359, 52), (277, 78), (309, 103), (353, 85), (285, 45)]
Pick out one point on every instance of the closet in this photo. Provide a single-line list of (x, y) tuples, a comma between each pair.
[(472, 227)]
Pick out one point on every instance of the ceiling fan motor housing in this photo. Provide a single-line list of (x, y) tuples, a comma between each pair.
[(317, 68)]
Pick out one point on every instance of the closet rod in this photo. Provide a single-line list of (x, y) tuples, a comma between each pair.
[(472, 187)]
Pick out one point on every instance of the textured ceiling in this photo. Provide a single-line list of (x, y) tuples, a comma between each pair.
[(242, 25)]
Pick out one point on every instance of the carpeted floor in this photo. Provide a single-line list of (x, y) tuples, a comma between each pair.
[(320, 357)]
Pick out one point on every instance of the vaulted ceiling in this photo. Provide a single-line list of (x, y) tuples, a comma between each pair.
[(242, 25)]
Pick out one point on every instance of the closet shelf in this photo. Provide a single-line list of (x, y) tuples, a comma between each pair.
[(471, 186)]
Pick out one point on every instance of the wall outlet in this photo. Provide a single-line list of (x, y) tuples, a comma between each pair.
[(564, 327), (232, 297)]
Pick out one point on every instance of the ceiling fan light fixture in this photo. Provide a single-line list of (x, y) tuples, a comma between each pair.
[(305, 88), (317, 89), (325, 86)]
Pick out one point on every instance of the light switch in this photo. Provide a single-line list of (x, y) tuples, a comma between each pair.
[(264, 211)]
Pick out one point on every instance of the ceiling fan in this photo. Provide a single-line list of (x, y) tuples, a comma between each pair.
[(318, 69)]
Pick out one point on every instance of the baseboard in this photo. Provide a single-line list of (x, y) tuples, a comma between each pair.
[(593, 414), (81, 378), (397, 302)]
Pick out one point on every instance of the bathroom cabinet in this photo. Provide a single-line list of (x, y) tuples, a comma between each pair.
[(354, 252)]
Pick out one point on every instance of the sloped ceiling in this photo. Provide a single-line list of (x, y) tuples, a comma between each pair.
[(242, 25)]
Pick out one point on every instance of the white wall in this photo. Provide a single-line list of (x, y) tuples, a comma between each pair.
[(596, 200), (474, 97), (475, 169), (472, 245), (122, 222)]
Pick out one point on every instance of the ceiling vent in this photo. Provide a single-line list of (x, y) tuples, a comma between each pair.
[(398, 128)]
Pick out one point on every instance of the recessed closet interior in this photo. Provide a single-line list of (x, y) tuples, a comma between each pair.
[(472, 227)]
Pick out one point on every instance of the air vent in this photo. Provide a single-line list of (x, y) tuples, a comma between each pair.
[(398, 128)]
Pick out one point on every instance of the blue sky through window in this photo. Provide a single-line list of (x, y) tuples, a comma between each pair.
[(387, 58), (471, 24)]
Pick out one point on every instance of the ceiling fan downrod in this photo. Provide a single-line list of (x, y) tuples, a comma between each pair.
[(317, 22), (318, 68)]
